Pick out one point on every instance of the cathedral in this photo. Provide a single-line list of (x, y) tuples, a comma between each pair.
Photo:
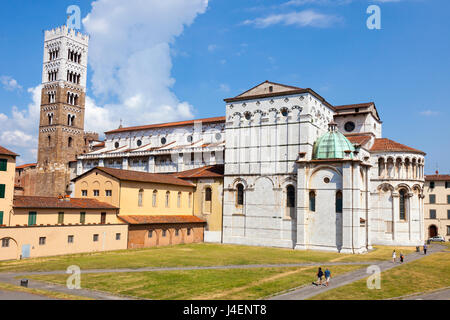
[(296, 171)]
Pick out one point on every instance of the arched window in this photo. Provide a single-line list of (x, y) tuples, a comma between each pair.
[(179, 200), (167, 199), (339, 202), (69, 143), (190, 199), (290, 196), (312, 201), (49, 140), (154, 197), (402, 204), (240, 195), (208, 194), (140, 197)]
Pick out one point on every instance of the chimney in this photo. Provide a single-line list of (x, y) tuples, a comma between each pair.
[(437, 172), (60, 198), (67, 197)]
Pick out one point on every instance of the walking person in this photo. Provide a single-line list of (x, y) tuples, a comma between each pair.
[(327, 277), (319, 276), (401, 257), (394, 255), (425, 247)]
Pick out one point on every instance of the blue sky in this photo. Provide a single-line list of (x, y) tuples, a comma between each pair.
[(192, 56)]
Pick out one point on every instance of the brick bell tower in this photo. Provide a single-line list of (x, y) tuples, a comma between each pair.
[(61, 127)]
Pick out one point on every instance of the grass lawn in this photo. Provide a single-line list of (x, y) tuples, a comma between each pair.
[(226, 284), (203, 254), (427, 274), (50, 294)]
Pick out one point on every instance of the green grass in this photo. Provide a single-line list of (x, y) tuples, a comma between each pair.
[(199, 284), (187, 255), (427, 274)]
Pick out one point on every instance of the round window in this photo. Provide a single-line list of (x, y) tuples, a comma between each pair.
[(326, 180), (163, 140), (139, 143), (189, 139), (116, 145), (248, 115), (218, 136), (349, 126), (284, 112)]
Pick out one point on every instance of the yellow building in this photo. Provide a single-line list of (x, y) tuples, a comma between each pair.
[(208, 197), (157, 207), (7, 175), (437, 205)]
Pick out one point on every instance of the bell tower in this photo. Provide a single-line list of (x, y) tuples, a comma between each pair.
[(61, 127)]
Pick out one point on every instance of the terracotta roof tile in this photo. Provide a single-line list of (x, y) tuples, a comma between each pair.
[(385, 144), (6, 152), (55, 203), (26, 166), (98, 145), (215, 171), (141, 219), (169, 124), (357, 105), (128, 175), (437, 177), (358, 139)]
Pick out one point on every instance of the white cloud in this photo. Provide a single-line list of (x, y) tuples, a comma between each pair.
[(305, 18), (9, 83), (429, 113), (212, 47), (131, 58)]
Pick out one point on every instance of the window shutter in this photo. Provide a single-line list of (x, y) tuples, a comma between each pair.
[(2, 191), (1, 217), (3, 164)]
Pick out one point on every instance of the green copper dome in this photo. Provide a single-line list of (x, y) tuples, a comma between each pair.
[(332, 145)]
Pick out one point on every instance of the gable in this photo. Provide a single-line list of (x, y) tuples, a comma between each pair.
[(267, 87)]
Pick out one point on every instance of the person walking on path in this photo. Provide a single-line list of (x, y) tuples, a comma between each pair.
[(425, 247), (327, 277), (319, 277), (401, 257), (394, 255)]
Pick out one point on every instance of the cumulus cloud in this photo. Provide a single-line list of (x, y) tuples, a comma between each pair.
[(20, 130), (305, 18), (131, 59), (429, 113), (9, 83)]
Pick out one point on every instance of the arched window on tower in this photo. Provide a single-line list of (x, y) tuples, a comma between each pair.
[(49, 139), (402, 204), (339, 202), (240, 195), (312, 201), (70, 140), (140, 197), (167, 199), (290, 201), (154, 198)]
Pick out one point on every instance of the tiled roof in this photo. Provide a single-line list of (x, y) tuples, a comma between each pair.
[(6, 152), (55, 203), (141, 219), (385, 144), (169, 124), (128, 175), (358, 139), (28, 165), (215, 171), (351, 106), (98, 145), (437, 177)]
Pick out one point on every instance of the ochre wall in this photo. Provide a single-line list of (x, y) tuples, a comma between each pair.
[(7, 178), (202, 209), (98, 180), (57, 240), (71, 216)]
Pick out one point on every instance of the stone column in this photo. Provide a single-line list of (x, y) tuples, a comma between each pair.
[(302, 207), (395, 213), (347, 207), (124, 163), (151, 164), (101, 162), (79, 167)]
